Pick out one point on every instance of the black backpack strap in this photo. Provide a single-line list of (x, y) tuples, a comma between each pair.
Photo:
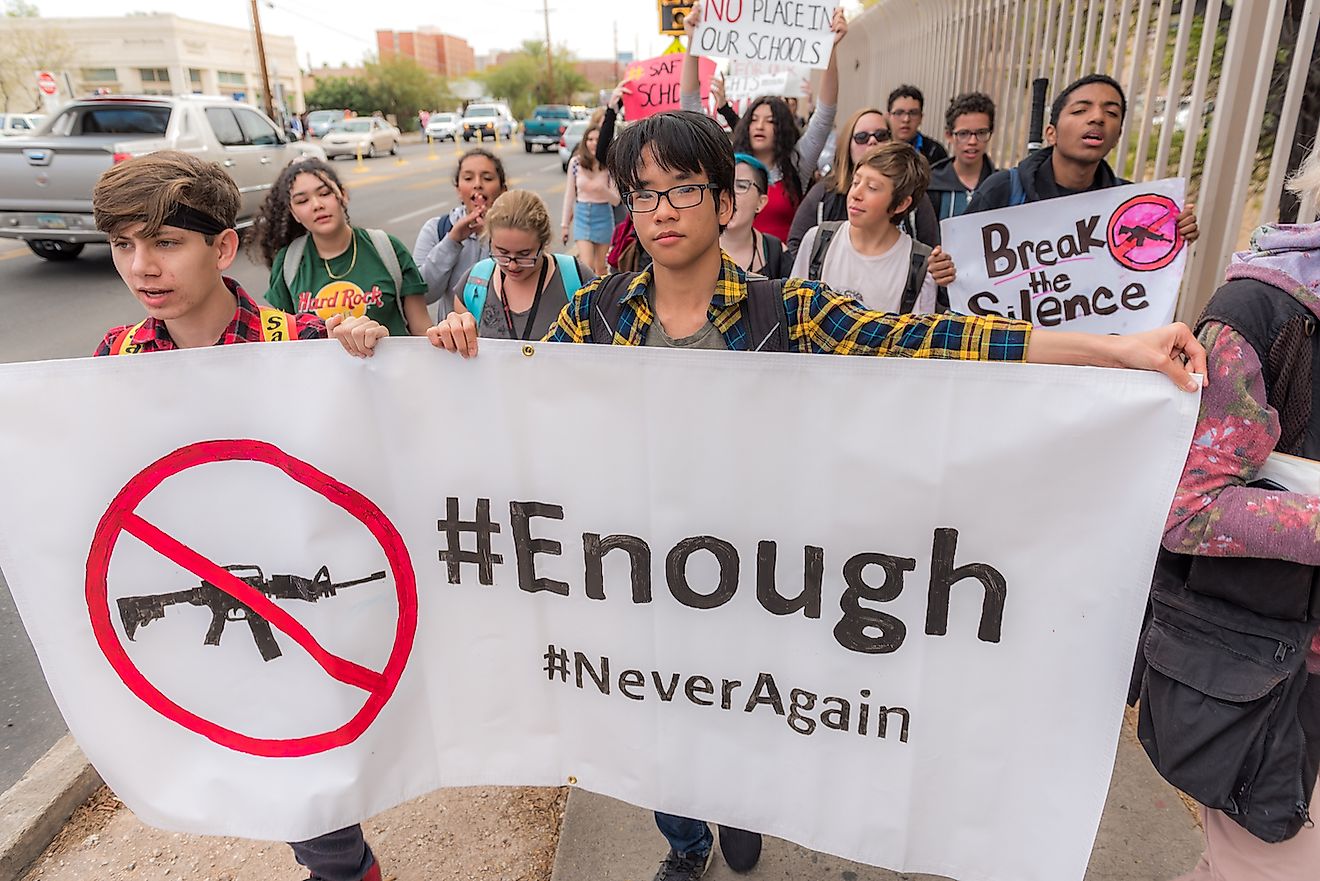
[(767, 322), (916, 277), (824, 235), (606, 307)]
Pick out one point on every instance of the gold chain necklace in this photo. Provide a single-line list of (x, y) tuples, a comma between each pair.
[(350, 265)]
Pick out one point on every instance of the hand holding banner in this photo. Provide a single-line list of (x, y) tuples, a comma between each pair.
[(1109, 261), (775, 31), (654, 85)]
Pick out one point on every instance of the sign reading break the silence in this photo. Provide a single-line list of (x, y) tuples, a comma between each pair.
[(773, 31), (1109, 261), (654, 84)]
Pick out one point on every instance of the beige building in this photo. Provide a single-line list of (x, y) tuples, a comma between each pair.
[(160, 54)]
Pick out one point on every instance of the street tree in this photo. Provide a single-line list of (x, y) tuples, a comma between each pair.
[(27, 44), (522, 81)]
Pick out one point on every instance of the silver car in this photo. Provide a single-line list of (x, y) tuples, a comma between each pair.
[(569, 140), (442, 127), (369, 136)]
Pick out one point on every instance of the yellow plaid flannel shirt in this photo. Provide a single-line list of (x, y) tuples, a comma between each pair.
[(819, 321)]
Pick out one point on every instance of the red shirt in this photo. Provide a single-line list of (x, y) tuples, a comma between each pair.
[(776, 218), (245, 328)]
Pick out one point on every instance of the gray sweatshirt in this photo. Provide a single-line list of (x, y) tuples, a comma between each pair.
[(445, 263)]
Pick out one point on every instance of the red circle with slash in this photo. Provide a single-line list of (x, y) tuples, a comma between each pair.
[(1143, 232), (121, 517)]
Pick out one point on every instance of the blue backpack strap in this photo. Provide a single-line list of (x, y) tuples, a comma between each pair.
[(1019, 194), (443, 226), (568, 272), (477, 286)]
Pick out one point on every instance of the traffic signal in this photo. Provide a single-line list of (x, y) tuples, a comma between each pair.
[(672, 16)]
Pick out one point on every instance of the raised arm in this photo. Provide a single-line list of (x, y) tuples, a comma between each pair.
[(689, 83)]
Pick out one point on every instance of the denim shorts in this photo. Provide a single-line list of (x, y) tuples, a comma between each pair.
[(593, 222)]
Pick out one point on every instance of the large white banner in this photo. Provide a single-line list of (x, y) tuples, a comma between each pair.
[(1109, 261), (883, 608), (793, 32)]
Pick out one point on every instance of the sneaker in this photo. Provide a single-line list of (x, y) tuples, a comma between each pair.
[(684, 867), (741, 849), (373, 874)]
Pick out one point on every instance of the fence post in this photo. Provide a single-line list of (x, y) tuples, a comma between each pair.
[(1253, 38)]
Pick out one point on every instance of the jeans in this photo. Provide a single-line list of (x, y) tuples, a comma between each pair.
[(335, 856), (685, 835)]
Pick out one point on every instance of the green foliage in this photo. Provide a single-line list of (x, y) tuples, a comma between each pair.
[(398, 87), (21, 9), (521, 81)]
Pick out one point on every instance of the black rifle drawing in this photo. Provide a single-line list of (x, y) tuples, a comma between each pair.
[(140, 611), (1141, 234)]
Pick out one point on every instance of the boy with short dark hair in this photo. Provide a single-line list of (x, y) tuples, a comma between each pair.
[(969, 123), (675, 171), (1086, 120), (170, 218), (905, 109), (868, 256)]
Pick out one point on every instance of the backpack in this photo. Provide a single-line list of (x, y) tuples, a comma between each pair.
[(380, 240), (275, 327), (916, 270), (767, 323), (443, 227), (1018, 193), (478, 282), (1228, 712)]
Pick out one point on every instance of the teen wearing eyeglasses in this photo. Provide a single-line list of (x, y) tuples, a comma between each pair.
[(753, 250), (517, 292), (969, 123), (907, 107)]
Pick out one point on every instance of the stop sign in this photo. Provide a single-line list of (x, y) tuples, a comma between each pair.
[(46, 82)]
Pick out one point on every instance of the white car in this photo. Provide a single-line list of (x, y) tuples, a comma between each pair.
[(369, 136), (442, 127), (569, 140), (482, 120), (20, 124)]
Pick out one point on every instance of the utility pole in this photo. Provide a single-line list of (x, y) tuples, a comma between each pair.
[(267, 97), (549, 58)]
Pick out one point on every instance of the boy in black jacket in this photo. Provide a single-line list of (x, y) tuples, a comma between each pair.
[(1086, 121)]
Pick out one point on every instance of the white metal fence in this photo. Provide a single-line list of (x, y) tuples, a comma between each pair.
[(1199, 78)]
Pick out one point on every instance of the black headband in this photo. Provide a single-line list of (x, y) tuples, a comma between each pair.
[(187, 217)]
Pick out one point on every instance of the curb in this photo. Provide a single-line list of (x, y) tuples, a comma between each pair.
[(35, 809)]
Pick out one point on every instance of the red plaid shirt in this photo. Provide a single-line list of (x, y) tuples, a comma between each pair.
[(245, 328)]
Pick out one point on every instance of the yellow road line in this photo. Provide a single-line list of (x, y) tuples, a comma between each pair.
[(12, 254)]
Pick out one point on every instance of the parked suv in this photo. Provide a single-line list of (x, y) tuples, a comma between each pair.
[(46, 196), (482, 120)]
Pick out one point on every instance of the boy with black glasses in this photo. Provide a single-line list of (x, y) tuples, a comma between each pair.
[(676, 174), (969, 124)]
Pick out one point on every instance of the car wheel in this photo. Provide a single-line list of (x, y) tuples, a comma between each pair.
[(371, 150), (527, 147), (50, 249), (394, 149)]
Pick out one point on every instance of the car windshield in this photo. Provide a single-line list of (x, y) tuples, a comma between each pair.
[(352, 125), (123, 120), (443, 117), (481, 111), (325, 115), (561, 112), (576, 129)]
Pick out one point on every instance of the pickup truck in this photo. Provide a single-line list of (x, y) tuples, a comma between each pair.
[(46, 180), (546, 126)]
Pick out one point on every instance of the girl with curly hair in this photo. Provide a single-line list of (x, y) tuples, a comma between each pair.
[(321, 263)]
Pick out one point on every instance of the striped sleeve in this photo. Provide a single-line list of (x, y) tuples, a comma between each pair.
[(573, 324)]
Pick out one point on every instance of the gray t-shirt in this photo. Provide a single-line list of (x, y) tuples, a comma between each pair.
[(706, 337), (494, 323)]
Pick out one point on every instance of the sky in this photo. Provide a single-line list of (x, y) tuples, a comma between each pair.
[(336, 31)]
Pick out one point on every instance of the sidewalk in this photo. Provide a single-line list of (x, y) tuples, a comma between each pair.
[(515, 834)]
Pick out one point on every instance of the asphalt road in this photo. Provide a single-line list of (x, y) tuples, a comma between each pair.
[(61, 310)]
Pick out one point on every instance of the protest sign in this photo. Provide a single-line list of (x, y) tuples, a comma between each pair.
[(793, 32), (654, 84), (1108, 261), (746, 80), (301, 610)]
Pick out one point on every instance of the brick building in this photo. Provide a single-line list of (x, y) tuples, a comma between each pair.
[(438, 52)]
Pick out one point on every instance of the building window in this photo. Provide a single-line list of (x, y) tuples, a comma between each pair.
[(155, 75), (100, 74), (195, 77), (229, 78)]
